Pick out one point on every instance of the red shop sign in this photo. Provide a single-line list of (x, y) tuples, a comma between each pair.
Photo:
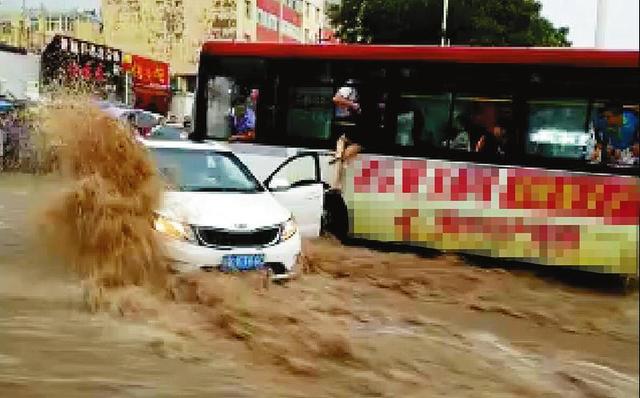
[(149, 73)]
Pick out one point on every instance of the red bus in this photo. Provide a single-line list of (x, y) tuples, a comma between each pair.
[(518, 153)]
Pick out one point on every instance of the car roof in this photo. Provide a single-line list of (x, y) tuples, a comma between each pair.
[(185, 144)]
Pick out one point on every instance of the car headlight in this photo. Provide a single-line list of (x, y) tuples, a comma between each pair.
[(174, 229), (288, 229)]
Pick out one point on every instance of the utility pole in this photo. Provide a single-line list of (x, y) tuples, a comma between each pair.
[(445, 10), (601, 20)]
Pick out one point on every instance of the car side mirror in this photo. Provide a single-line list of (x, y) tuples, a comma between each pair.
[(279, 184)]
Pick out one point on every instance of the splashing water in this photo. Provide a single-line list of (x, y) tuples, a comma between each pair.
[(101, 221)]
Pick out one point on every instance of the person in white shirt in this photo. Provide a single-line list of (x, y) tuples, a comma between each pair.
[(347, 102)]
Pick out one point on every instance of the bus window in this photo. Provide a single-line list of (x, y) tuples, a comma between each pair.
[(422, 119), (557, 128), (231, 109), (481, 125), (309, 112), (615, 127)]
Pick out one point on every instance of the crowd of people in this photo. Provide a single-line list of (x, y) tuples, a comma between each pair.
[(10, 134)]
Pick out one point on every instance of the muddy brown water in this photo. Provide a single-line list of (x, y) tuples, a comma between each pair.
[(87, 308), (361, 323)]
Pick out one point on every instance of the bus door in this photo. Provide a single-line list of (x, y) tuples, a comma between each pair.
[(297, 185)]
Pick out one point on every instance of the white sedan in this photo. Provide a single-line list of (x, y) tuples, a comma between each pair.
[(218, 215)]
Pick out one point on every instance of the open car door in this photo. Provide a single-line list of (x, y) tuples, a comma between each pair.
[(296, 184)]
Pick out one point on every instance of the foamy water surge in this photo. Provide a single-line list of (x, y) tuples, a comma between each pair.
[(101, 221)]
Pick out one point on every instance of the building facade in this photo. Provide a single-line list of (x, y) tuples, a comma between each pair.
[(174, 30), (34, 29)]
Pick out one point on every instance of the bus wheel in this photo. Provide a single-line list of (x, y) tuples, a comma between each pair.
[(629, 283), (335, 219)]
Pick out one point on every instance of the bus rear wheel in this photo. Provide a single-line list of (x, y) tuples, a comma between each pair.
[(629, 283)]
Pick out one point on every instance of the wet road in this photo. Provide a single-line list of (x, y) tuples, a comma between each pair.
[(361, 323)]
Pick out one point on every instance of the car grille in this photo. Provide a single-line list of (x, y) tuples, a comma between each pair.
[(227, 238)]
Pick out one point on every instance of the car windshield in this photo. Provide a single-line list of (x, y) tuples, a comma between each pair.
[(204, 171)]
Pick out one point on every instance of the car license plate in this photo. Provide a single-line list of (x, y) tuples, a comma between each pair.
[(236, 262)]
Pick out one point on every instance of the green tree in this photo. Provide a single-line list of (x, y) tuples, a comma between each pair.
[(470, 22)]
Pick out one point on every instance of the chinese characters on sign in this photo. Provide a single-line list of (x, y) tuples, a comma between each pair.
[(69, 58), (147, 72)]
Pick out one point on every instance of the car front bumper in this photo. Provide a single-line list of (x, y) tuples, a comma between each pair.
[(282, 258)]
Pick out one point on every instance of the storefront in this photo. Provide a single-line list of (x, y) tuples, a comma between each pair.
[(131, 79), (150, 83), (67, 61)]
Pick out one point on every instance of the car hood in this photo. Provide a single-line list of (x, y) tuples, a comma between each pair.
[(224, 209)]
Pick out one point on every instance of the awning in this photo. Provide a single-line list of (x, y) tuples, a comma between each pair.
[(5, 106), (153, 99)]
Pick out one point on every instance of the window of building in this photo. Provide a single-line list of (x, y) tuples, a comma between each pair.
[(294, 4), (267, 20), (248, 6), (483, 125), (5, 27)]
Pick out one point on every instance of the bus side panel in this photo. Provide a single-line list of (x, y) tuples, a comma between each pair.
[(535, 215)]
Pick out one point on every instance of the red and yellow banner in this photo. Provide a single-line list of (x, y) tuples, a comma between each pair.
[(146, 72), (541, 216)]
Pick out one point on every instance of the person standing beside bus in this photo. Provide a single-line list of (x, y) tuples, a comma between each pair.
[(347, 103)]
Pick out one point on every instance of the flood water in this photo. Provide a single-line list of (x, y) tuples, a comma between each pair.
[(85, 316)]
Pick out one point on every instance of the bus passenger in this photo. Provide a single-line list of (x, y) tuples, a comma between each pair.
[(244, 118), (244, 124), (617, 129), (492, 143)]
